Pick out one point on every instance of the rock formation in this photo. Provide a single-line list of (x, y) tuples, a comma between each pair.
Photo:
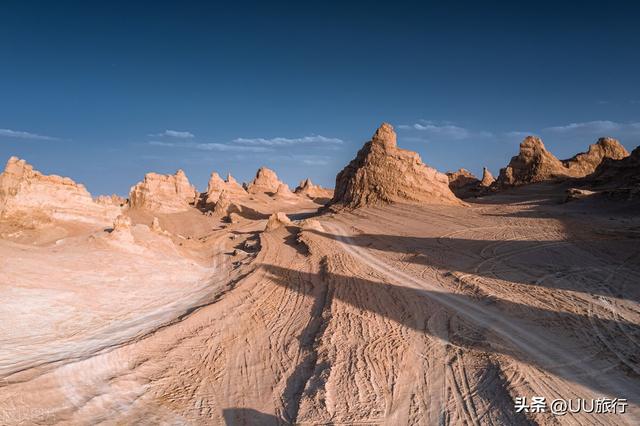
[(217, 185), (163, 193), (308, 188), (384, 173), (487, 178), (532, 164), (535, 164), (619, 178), (461, 178), (266, 181), (586, 163), (277, 220), (111, 200), (283, 191), (28, 196)]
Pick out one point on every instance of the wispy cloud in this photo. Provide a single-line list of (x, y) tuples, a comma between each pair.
[(25, 135), (444, 130), (281, 141), (210, 146), (590, 126), (174, 134)]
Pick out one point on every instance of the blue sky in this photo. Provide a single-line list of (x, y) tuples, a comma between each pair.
[(104, 92)]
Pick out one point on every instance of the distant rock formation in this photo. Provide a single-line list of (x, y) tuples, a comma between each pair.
[(266, 181), (111, 200), (461, 178), (532, 164), (309, 189), (465, 185), (217, 185), (283, 191), (585, 163), (384, 173), (163, 193), (28, 197), (487, 178), (535, 164)]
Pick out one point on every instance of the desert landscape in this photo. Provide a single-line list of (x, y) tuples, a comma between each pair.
[(404, 295)]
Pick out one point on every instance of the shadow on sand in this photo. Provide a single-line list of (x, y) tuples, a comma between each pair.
[(549, 340)]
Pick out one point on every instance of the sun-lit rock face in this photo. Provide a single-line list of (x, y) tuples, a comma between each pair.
[(266, 181), (585, 163), (26, 193), (283, 191), (487, 178), (532, 164), (535, 164), (163, 193), (311, 190), (384, 173), (217, 185)]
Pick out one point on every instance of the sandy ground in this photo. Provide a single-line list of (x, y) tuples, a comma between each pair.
[(389, 315)]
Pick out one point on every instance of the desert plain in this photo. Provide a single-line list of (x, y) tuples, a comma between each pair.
[(402, 296)]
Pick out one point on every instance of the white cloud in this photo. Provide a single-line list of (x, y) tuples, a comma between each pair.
[(25, 135), (444, 130), (175, 134), (588, 126), (211, 146), (280, 141)]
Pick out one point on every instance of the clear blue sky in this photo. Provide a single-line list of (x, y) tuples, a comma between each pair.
[(106, 91)]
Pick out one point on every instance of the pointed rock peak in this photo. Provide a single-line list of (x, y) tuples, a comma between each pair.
[(385, 136), (305, 183), (383, 173), (611, 145), (532, 142), (487, 177), (266, 180), (231, 179)]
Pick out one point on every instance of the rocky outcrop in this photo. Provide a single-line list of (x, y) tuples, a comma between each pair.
[(163, 193), (217, 185), (111, 200), (532, 164), (277, 220), (461, 178), (309, 189), (283, 191), (384, 173), (465, 185), (535, 164), (487, 178), (618, 178), (586, 163), (266, 181), (29, 197)]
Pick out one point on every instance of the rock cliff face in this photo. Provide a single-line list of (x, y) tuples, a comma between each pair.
[(266, 181), (217, 185), (384, 173), (28, 195), (586, 163), (163, 193)]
